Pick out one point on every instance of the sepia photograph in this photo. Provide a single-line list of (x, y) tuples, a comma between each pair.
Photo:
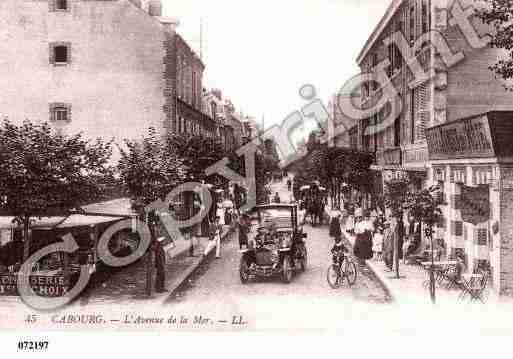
[(230, 166)]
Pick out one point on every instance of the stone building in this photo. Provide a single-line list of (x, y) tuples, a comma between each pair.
[(109, 68), (446, 91)]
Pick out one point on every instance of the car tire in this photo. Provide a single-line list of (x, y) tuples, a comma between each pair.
[(244, 271), (286, 269)]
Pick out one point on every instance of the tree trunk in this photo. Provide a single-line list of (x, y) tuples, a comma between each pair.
[(149, 260), (26, 238)]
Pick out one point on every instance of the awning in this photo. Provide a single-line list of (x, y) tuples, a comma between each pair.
[(75, 220), (97, 213)]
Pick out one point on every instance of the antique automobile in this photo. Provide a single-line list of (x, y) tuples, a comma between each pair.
[(279, 246)]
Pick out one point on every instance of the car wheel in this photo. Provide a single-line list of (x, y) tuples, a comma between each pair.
[(286, 270), (244, 271)]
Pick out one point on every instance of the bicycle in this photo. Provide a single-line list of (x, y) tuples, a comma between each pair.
[(342, 268)]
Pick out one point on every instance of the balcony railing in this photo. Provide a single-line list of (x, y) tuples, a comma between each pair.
[(389, 157)]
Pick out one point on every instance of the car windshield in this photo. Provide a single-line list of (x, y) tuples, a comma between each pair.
[(277, 217)]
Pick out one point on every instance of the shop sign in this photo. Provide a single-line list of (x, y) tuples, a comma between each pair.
[(468, 138), (475, 204), (44, 286)]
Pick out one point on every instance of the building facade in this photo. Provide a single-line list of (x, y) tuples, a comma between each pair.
[(109, 68), (452, 124)]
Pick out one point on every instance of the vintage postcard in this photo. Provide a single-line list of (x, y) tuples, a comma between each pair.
[(188, 165)]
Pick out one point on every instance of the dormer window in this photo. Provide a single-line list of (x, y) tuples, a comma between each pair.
[(60, 112)]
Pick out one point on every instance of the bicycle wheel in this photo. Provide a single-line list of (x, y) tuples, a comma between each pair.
[(350, 271), (333, 276)]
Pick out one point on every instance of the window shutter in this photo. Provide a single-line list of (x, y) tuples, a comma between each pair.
[(481, 236), (421, 106)]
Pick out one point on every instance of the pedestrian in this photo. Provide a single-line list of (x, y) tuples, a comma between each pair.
[(220, 213), (335, 231), (214, 240), (363, 242), (377, 244), (388, 244), (243, 231), (350, 222), (289, 185), (160, 265), (277, 198)]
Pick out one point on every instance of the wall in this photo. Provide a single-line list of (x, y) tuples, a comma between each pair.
[(114, 82), (471, 87), (506, 232)]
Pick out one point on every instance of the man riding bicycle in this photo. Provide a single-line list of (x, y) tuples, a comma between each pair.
[(338, 251)]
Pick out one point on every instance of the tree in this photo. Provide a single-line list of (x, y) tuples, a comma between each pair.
[(498, 14), (47, 173), (197, 153), (150, 169), (424, 206), (396, 197)]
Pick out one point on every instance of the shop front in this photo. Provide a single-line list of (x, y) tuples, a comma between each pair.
[(471, 161)]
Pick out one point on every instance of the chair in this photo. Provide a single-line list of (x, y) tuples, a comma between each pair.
[(476, 287)]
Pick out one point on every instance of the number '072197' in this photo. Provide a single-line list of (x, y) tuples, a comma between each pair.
[(32, 346)]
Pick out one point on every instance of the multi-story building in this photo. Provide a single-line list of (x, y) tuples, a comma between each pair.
[(453, 125), (108, 69)]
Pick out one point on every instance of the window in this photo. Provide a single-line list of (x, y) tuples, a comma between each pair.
[(412, 24), (374, 59), (60, 112), (60, 53), (482, 236), (61, 4), (424, 18)]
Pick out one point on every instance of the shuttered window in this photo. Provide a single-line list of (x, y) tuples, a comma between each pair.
[(421, 105), (481, 235)]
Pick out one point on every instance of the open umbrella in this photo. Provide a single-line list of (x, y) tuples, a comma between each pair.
[(304, 188)]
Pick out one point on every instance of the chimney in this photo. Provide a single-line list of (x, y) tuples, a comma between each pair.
[(170, 24), (155, 8)]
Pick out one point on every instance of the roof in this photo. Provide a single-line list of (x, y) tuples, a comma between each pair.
[(385, 20), (103, 212)]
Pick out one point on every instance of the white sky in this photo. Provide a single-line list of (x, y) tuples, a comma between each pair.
[(260, 53)]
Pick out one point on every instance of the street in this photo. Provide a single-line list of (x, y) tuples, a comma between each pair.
[(216, 288)]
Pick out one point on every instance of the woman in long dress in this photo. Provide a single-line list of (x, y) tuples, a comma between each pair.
[(363, 242)]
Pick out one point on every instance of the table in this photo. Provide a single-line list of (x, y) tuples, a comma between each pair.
[(441, 270)]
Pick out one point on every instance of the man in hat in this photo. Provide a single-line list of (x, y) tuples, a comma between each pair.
[(160, 264)]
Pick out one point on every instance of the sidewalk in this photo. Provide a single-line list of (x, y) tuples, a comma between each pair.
[(129, 284), (409, 288)]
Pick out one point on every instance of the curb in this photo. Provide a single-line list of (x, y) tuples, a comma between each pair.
[(372, 267), (180, 280)]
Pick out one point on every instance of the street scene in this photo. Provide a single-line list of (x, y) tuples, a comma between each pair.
[(157, 172)]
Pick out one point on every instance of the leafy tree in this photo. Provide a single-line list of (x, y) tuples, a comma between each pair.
[(499, 14), (150, 169), (45, 173), (424, 206)]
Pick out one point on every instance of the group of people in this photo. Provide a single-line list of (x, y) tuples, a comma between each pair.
[(373, 234)]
